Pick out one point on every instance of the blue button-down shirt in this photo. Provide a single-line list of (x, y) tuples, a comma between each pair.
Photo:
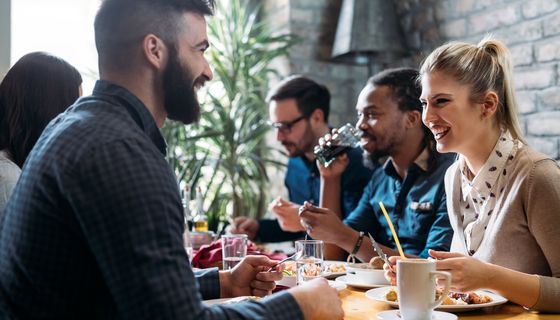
[(94, 227), (416, 206), (303, 182)]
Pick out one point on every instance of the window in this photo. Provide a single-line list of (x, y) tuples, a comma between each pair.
[(61, 27)]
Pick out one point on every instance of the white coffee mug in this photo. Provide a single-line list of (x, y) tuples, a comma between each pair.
[(416, 288)]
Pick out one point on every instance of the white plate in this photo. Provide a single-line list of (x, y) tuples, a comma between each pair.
[(394, 314), (344, 279), (339, 286), (224, 300), (378, 294)]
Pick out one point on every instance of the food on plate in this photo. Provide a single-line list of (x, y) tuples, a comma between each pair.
[(453, 298), (289, 269), (242, 299), (365, 266), (376, 263), (470, 297), (391, 295), (311, 270), (336, 268)]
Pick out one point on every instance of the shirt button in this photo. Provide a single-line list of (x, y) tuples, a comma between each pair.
[(311, 201), (313, 174)]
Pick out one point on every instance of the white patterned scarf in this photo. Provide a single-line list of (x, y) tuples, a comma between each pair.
[(478, 197)]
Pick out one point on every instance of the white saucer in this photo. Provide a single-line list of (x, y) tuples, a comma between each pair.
[(395, 315), (345, 280)]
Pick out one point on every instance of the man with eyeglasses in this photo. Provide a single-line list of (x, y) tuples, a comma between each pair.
[(299, 111)]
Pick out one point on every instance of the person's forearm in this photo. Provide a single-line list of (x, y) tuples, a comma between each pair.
[(347, 239), (330, 195), (515, 286)]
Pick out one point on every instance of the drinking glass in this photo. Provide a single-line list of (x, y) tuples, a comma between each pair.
[(345, 138), (310, 263), (187, 244), (234, 249)]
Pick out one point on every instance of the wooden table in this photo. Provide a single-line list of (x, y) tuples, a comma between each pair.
[(357, 307)]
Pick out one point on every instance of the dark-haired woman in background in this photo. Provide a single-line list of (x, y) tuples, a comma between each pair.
[(34, 91)]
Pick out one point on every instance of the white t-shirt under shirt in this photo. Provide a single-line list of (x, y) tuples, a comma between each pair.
[(9, 175)]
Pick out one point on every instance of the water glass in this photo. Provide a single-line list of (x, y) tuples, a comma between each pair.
[(310, 264), (234, 249), (187, 244)]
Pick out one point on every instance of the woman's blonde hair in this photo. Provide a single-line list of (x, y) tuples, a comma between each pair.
[(484, 67)]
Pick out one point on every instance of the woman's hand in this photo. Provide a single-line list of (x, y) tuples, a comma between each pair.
[(467, 273), (391, 272)]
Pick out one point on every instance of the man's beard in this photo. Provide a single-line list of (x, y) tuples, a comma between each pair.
[(303, 146), (181, 102), (371, 159)]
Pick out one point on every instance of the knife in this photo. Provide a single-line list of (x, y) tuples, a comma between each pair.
[(380, 252)]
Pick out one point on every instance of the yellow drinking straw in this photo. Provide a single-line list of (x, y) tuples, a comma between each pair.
[(392, 229)]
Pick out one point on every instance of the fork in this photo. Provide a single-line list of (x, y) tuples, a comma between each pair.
[(294, 256)]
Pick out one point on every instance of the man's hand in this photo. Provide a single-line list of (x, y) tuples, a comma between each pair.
[(287, 214), (318, 300), (337, 167), (320, 223), (250, 278), (245, 225)]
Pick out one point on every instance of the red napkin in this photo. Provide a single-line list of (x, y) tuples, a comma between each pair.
[(210, 255)]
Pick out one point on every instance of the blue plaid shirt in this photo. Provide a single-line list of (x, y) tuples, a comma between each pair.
[(303, 182), (94, 227), (416, 206)]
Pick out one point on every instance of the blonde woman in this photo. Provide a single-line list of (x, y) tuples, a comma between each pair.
[(503, 197)]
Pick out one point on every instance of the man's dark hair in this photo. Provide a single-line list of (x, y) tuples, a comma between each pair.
[(36, 89), (122, 24), (406, 91), (309, 95)]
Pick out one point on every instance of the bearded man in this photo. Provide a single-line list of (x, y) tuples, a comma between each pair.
[(410, 183), (94, 227)]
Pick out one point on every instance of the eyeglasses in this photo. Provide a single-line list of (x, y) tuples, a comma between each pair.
[(286, 126)]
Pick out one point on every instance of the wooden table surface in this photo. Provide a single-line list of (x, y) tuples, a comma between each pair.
[(357, 307)]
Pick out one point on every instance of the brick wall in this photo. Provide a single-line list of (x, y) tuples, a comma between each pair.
[(315, 22), (531, 29)]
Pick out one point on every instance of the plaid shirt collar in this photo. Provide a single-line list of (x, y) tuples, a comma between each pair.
[(138, 111)]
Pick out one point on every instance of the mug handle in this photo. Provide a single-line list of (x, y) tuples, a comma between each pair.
[(447, 277)]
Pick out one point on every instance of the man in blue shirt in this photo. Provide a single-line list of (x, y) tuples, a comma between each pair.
[(94, 227), (299, 111), (410, 184)]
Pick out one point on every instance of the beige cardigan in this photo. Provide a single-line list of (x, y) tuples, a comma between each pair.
[(524, 231)]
